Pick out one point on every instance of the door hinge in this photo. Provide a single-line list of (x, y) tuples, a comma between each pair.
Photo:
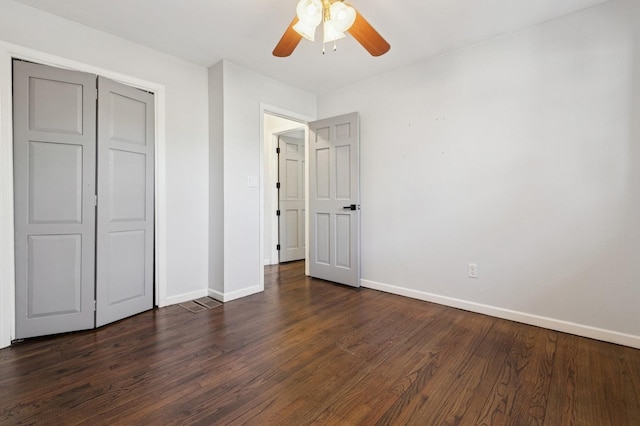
[(278, 150), (278, 247), (278, 185), (277, 212), (95, 200), (95, 305)]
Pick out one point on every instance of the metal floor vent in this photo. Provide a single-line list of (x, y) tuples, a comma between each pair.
[(201, 304)]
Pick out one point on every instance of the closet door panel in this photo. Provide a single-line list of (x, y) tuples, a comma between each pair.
[(125, 231), (54, 113)]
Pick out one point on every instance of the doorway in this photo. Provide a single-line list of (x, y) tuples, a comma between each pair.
[(275, 127), (331, 193)]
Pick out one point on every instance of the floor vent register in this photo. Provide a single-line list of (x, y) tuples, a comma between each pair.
[(201, 304)]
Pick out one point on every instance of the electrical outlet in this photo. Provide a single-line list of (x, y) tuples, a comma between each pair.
[(473, 270)]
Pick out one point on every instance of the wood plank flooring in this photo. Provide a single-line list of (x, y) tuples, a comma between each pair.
[(310, 352)]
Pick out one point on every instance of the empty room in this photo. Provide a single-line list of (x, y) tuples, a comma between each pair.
[(291, 212)]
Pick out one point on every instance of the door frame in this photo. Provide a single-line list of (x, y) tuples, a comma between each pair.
[(8, 52), (303, 120)]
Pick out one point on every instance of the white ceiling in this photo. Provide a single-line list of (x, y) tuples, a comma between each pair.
[(245, 32)]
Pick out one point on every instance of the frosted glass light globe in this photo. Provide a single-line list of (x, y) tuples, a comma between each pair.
[(309, 11), (342, 16)]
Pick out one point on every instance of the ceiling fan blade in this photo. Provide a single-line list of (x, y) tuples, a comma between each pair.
[(288, 42), (368, 37)]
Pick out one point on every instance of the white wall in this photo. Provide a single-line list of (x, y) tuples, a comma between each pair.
[(245, 94), (185, 134), (521, 154)]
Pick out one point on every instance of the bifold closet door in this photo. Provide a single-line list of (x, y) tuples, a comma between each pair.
[(125, 223), (78, 266), (54, 118)]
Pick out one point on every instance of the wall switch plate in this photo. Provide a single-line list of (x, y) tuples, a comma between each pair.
[(473, 270), (252, 181)]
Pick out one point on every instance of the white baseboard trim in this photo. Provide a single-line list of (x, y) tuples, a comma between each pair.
[(535, 320), (227, 297), (181, 298), (215, 294)]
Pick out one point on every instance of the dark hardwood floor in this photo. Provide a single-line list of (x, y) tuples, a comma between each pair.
[(311, 352)]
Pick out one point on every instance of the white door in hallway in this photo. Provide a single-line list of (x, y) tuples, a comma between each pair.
[(334, 200), (291, 219)]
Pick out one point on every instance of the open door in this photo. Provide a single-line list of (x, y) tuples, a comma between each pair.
[(334, 199)]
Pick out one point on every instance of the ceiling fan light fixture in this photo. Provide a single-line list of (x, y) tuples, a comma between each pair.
[(339, 18), (330, 33), (342, 16)]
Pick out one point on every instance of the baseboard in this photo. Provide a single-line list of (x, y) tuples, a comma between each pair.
[(5, 340), (181, 298), (215, 294), (535, 320), (233, 295)]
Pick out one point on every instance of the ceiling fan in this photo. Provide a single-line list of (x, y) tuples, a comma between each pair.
[(337, 18)]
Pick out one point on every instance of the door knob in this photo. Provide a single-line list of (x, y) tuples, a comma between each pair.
[(350, 207)]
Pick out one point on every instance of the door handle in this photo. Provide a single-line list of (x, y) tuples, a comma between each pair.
[(350, 207)]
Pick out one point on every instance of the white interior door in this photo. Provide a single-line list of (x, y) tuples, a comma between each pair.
[(54, 186), (125, 220), (334, 200), (291, 219)]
